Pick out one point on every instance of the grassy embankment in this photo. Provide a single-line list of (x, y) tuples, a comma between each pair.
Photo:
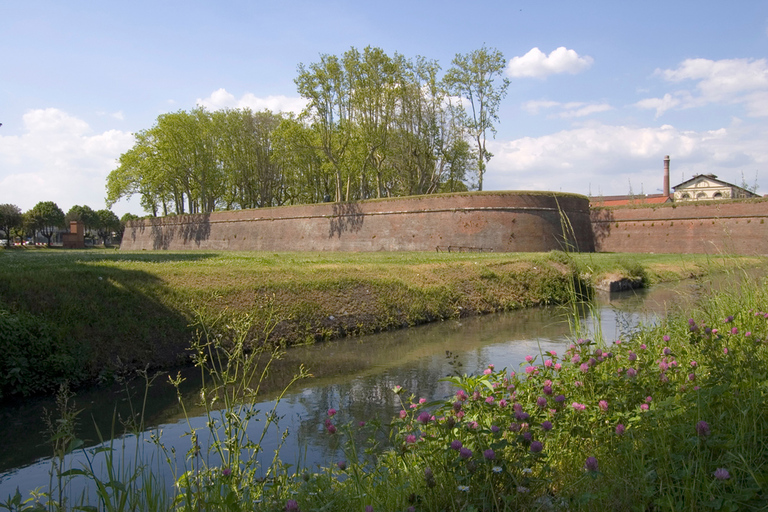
[(85, 315), (672, 417)]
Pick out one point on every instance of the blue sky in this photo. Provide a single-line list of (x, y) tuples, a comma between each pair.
[(600, 90)]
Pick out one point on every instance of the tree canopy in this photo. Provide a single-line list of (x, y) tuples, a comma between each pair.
[(375, 125), (10, 219), (475, 77), (45, 217)]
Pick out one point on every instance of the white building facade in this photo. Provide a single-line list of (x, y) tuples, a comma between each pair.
[(706, 187)]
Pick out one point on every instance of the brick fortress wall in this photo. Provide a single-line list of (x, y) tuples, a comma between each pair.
[(489, 221), (713, 227)]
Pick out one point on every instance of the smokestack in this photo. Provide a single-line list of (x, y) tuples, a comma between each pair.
[(666, 175)]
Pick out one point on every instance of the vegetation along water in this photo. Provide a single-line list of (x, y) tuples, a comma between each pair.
[(606, 424)]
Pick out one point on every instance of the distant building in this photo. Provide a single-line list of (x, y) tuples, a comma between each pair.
[(706, 187)]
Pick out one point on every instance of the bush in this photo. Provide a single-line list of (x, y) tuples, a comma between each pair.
[(34, 360)]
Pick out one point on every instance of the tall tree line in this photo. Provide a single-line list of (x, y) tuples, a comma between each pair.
[(374, 126)]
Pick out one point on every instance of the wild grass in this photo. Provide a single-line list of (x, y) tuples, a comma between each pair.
[(99, 314), (672, 417)]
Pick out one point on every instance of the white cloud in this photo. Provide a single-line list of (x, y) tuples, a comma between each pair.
[(606, 158), (565, 110), (59, 159), (661, 105), (537, 64), (727, 81), (221, 99), (534, 106), (582, 110)]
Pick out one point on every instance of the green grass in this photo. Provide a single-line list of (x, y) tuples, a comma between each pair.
[(88, 315), (671, 417)]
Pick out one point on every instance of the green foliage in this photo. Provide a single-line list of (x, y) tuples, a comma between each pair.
[(10, 219), (107, 224), (45, 217), (375, 125), (475, 77), (83, 214), (34, 358)]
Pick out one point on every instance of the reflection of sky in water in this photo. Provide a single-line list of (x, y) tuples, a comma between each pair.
[(356, 377)]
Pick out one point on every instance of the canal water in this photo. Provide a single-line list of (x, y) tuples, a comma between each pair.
[(353, 376)]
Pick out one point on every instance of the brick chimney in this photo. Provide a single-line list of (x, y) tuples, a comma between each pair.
[(666, 175)]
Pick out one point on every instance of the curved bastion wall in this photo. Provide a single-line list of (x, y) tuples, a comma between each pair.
[(471, 221)]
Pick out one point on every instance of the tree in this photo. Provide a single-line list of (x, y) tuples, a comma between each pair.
[(10, 219), (45, 218), (108, 223), (474, 77), (325, 85)]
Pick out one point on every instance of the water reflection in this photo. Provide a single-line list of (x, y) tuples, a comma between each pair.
[(354, 376)]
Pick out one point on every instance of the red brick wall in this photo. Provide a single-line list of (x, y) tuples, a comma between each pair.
[(495, 221), (735, 227)]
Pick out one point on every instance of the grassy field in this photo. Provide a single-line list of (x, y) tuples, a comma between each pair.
[(93, 314)]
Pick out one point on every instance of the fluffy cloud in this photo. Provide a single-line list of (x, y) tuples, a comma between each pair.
[(59, 159), (607, 159), (222, 99), (727, 81), (537, 64), (565, 110)]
